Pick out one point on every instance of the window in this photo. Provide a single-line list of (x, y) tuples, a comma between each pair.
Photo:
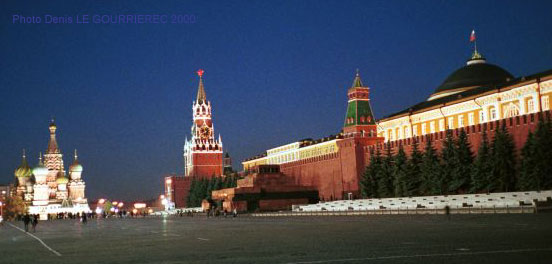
[(545, 103), (415, 130), (471, 120), (442, 125), (406, 132), (423, 129), (432, 127), (398, 133), (390, 135), (530, 105), (481, 116), (511, 111), (451, 123), (493, 113), (461, 121)]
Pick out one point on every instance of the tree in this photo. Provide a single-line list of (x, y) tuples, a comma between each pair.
[(368, 183), (503, 171), (460, 182), (385, 174), (14, 206), (400, 173), (413, 179), (543, 153), (481, 170), (528, 177), (449, 165), (430, 171)]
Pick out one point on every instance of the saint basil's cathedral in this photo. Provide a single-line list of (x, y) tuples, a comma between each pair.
[(46, 189)]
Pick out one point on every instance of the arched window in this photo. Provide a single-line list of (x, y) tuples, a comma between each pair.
[(511, 111)]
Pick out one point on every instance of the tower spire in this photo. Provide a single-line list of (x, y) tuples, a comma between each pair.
[(76, 157), (357, 82), (52, 144), (200, 91)]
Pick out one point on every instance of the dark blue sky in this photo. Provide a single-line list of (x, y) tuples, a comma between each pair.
[(275, 72)]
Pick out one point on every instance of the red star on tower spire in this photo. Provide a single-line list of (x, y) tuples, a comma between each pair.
[(200, 72)]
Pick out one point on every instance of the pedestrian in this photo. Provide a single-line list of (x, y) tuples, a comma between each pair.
[(235, 212), (26, 221), (35, 222), (447, 212), (84, 218)]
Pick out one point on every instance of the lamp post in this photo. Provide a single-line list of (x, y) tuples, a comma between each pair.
[(1, 207)]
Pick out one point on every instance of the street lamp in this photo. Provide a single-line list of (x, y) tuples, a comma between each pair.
[(101, 201), (1, 205)]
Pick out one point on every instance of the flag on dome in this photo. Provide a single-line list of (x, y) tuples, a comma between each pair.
[(472, 36)]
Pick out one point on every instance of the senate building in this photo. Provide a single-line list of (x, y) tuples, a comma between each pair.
[(477, 97)]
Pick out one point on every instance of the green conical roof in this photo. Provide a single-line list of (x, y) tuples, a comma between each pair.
[(357, 82)]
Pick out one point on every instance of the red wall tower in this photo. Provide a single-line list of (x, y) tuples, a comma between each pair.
[(202, 153)]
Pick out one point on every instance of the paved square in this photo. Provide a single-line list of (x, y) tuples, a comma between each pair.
[(366, 239)]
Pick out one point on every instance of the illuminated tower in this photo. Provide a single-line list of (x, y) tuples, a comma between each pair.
[(203, 152), (359, 119), (76, 184), (53, 160)]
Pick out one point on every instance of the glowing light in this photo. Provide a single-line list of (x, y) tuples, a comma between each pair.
[(0, 203), (120, 205), (150, 211), (134, 211), (114, 202), (101, 201), (112, 209), (116, 210), (168, 181), (161, 197), (200, 72), (98, 210), (164, 202), (139, 205)]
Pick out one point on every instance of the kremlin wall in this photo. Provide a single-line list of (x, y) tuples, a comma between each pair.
[(478, 97)]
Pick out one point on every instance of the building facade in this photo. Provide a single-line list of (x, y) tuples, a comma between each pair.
[(477, 97), (47, 189)]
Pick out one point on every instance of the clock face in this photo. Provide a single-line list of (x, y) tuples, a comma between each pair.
[(204, 132)]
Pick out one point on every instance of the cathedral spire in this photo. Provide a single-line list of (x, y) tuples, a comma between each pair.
[(200, 90), (52, 144)]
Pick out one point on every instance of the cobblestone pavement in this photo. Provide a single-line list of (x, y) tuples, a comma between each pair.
[(364, 239)]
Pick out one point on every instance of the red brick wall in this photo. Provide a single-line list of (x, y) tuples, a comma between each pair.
[(333, 175), (180, 188), (207, 165), (518, 127)]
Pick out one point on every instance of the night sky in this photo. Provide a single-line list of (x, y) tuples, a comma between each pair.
[(275, 72)]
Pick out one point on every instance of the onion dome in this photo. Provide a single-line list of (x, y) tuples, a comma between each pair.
[(23, 171), (76, 166), (61, 179), (476, 73), (40, 171)]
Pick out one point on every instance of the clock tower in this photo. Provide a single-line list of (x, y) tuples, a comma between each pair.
[(203, 152)]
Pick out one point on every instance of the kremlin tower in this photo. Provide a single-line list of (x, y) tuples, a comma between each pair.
[(203, 152)]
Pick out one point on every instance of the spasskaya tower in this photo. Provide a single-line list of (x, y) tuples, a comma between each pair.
[(202, 153)]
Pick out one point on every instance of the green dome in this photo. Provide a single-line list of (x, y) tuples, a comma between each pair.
[(475, 74), (62, 180), (23, 170)]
